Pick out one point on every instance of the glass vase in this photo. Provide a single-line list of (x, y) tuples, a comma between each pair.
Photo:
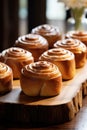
[(77, 21)]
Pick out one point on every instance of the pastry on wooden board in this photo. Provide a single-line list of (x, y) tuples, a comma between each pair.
[(41, 78), (16, 58), (50, 32), (6, 78), (75, 46), (33, 43), (64, 59), (80, 35)]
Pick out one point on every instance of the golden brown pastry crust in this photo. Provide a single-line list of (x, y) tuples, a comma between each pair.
[(75, 46), (41, 78), (80, 35), (51, 33), (64, 59), (6, 78), (16, 58), (33, 43)]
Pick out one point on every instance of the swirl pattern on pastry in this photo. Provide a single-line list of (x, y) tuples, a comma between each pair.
[(42, 79), (4, 70), (51, 33), (42, 70), (16, 58), (80, 35), (71, 44), (16, 53), (34, 43), (46, 30), (63, 58), (57, 54), (6, 78), (75, 46)]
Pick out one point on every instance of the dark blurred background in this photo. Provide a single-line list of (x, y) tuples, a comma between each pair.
[(18, 17)]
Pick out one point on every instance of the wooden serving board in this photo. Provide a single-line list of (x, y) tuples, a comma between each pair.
[(16, 107)]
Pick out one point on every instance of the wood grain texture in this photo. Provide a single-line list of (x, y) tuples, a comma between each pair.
[(16, 107)]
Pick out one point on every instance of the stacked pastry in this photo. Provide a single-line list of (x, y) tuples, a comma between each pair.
[(51, 33), (75, 46), (33, 43), (64, 59)]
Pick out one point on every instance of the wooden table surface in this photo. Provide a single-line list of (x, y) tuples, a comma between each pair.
[(78, 123)]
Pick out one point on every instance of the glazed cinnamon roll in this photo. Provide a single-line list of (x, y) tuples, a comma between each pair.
[(64, 59), (6, 78), (80, 35), (33, 43), (51, 33), (75, 46), (16, 58), (41, 78)]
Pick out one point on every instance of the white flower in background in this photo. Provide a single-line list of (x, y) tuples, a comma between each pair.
[(74, 3)]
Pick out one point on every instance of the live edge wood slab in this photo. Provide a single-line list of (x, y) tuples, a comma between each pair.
[(16, 107)]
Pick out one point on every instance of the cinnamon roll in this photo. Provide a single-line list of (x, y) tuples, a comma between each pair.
[(64, 59), (6, 78), (51, 33), (80, 35), (75, 46), (16, 58), (33, 43), (41, 78)]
